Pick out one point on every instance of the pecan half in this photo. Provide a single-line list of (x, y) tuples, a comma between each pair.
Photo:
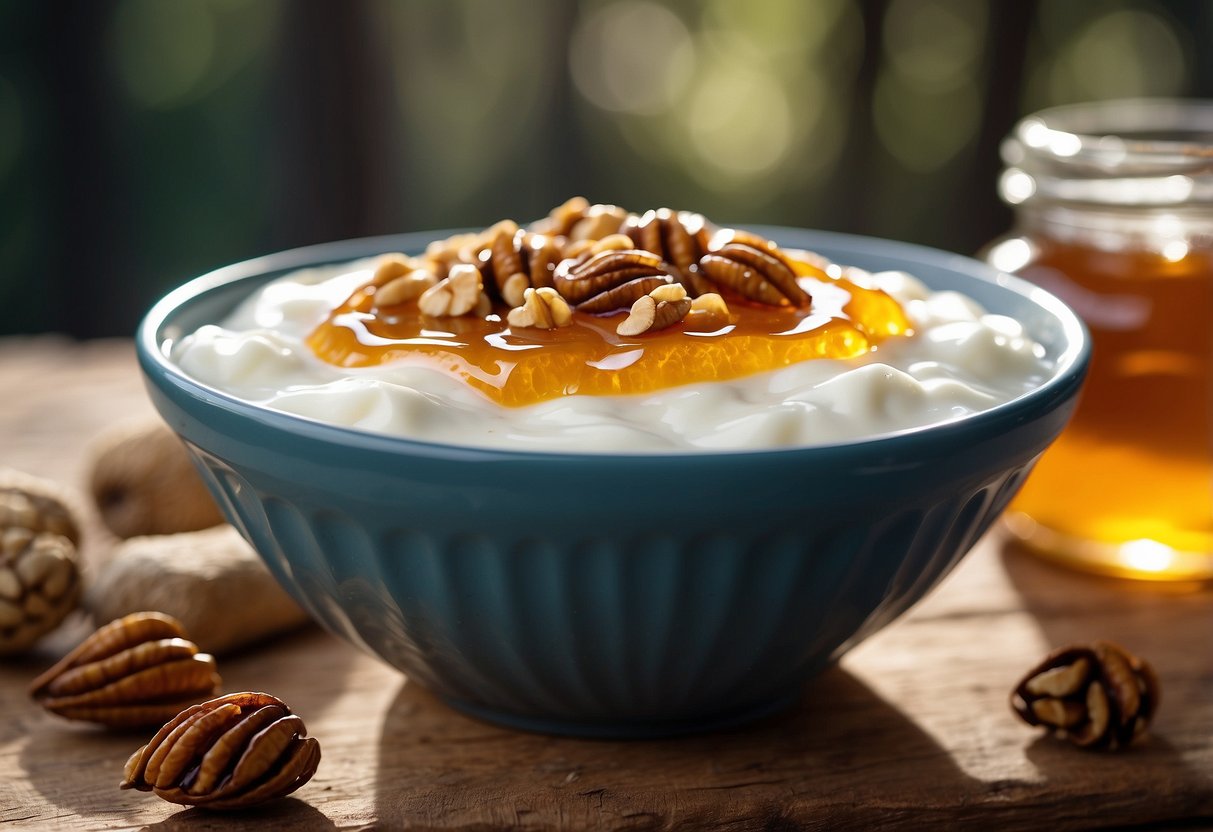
[(679, 238), (229, 753), (137, 670), (753, 269), (1095, 696), (612, 279), (513, 260)]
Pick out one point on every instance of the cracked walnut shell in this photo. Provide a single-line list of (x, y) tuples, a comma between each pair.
[(138, 670), (1095, 696), (236, 751)]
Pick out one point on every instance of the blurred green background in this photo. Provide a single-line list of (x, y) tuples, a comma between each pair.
[(145, 141)]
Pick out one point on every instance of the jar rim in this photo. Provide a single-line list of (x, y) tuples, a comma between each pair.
[(1125, 152)]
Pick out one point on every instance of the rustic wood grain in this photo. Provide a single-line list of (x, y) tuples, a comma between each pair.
[(912, 731)]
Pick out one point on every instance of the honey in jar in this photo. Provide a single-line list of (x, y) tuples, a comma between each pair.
[(1114, 214)]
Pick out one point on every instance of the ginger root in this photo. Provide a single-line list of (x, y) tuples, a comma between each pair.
[(144, 483), (211, 581)]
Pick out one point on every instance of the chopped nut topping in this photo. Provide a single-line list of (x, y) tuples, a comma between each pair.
[(392, 266), (612, 242), (1095, 696), (599, 221), (441, 255), (514, 289), (663, 307), (408, 286), (711, 304), (579, 249), (542, 308), (456, 294), (560, 221)]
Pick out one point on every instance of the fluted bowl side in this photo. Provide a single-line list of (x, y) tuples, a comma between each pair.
[(611, 594)]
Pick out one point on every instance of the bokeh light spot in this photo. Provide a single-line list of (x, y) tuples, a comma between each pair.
[(740, 120), (924, 132), (162, 50), (933, 44), (1120, 54), (632, 57)]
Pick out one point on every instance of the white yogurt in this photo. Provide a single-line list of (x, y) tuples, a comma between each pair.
[(959, 361)]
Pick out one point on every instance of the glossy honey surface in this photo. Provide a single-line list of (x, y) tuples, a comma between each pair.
[(1134, 470), (527, 366)]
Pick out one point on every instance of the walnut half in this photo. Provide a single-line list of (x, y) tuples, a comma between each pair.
[(1096, 696)]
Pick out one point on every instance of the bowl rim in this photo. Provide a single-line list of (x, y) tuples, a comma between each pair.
[(159, 370)]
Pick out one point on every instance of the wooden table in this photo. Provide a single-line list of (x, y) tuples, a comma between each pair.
[(912, 731)]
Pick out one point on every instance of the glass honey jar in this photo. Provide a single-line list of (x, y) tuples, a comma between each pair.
[(1114, 214)]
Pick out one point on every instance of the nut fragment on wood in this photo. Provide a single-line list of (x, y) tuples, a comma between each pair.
[(138, 670), (212, 581), (39, 575), (143, 482), (232, 752), (541, 309), (1095, 696)]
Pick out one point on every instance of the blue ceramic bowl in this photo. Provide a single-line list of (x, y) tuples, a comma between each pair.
[(545, 591)]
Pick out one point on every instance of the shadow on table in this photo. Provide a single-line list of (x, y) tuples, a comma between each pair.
[(842, 755), (291, 813)]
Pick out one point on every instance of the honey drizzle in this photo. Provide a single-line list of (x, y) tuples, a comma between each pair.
[(588, 357)]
